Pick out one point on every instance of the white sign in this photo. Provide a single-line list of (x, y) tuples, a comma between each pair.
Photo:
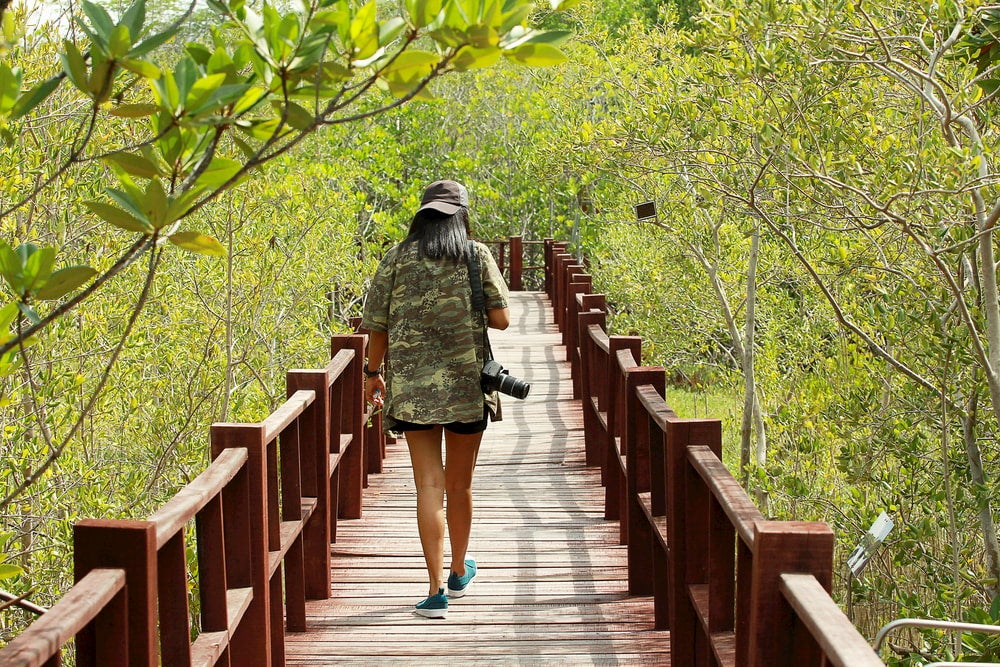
[(870, 543)]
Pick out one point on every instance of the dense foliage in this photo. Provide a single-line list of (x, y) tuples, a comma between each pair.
[(820, 272)]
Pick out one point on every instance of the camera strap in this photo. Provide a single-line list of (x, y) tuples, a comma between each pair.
[(478, 296)]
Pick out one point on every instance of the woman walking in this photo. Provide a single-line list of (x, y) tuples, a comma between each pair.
[(420, 319)]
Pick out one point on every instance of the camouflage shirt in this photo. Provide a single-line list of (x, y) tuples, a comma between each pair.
[(435, 350)]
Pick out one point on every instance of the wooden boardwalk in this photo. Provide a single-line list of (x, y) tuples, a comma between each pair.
[(552, 584)]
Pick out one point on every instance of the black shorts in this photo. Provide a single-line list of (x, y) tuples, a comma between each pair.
[(461, 428)]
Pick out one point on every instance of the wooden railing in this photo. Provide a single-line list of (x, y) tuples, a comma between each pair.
[(732, 587), (517, 258), (264, 514)]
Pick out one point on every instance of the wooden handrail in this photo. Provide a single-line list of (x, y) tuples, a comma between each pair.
[(98, 595), (841, 643), (717, 570), (171, 518), (733, 500), (286, 413), (265, 516)]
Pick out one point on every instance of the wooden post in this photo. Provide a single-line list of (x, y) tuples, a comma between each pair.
[(682, 523), (253, 643), (314, 439), (783, 547), (131, 546), (635, 433), (614, 484), (560, 261), (588, 384), (352, 420), (579, 284), (516, 263), (567, 303), (658, 501)]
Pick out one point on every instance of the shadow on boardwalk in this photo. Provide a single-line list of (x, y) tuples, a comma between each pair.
[(552, 588)]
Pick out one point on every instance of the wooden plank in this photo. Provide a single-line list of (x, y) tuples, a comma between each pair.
[(552, 584)]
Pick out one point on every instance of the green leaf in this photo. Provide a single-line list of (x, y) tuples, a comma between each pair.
[(38, 267), (202, 90), (219, 172), (74, 66), (118, 217), (141, 67), (27, 102), (515, 16), (401, 86), (99, 19), (423, 12), (260, 129), (134, 110), (7, 315), (364, 32), (10, 87), (482, 36), (64, 281), (199, 243), (152, 42), (563, 5), (134, 17), (299, 117), (521, 35), (251, 98), (181, 204), (29, 313), (537, 55), (8, 571), (410, 61), (100, 75), (130, 200), (390, 30), (989, 86), (11, 268), (155, 203), (469, 57), (120, 42)]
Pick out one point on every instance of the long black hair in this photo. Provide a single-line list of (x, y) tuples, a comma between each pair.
[(440, 236)]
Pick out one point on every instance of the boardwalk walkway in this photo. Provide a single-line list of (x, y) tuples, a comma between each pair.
[(552, 588)]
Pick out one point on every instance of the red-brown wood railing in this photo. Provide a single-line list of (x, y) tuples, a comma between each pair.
[(732, 587), (511, 255), (264, 513)]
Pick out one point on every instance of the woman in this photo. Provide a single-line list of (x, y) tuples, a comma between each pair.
[(420, 320)]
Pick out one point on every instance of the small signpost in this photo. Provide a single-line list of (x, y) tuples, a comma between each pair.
[(870, 543), (645, 211), (856, 562)]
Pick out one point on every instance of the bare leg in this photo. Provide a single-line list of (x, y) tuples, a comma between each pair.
[(460, 463), (429, 477)]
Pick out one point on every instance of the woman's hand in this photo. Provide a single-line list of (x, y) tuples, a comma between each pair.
[(375, 390)]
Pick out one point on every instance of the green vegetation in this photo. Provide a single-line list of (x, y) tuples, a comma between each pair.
[(820, 274)]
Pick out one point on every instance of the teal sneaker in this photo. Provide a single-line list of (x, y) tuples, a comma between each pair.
[(459, 586), (434, 606)]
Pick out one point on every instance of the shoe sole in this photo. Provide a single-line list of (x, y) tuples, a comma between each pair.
[(432, 613)]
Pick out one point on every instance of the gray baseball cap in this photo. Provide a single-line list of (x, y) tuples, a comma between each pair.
[(445, 196)]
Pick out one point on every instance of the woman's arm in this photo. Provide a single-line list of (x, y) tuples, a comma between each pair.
[(498, 318), (378, 342)]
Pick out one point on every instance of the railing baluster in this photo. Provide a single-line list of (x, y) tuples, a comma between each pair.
[(252, 642)]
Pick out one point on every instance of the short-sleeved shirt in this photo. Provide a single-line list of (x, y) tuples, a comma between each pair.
[(436, 351)]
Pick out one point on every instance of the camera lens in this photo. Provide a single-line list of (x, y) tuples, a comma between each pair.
[(513, 386)]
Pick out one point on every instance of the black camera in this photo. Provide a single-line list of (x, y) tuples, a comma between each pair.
[(497, 378)]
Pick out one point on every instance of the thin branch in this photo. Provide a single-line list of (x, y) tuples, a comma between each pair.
[(56, 452)]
